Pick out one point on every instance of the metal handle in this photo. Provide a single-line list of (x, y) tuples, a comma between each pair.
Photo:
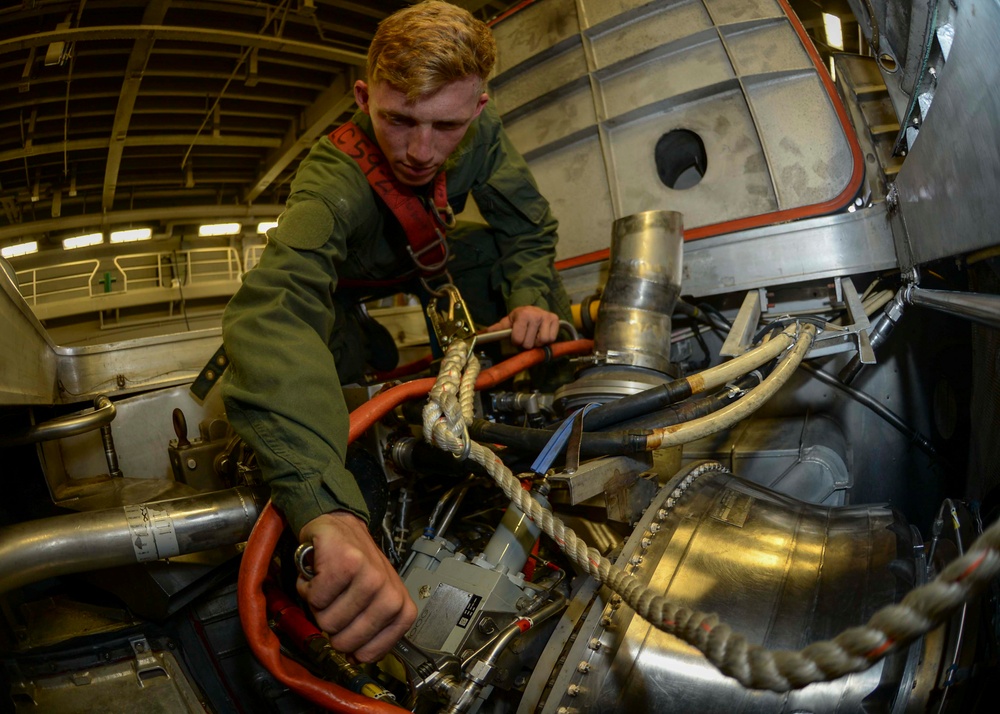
[(104, 412)]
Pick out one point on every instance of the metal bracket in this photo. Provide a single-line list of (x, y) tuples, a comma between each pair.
[(740, 336), (594, 476), (147, 663), (851, 337)]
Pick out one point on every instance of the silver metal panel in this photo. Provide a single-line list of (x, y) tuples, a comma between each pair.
[(686, 68), (736, 181), (563, 176), (142, 430), (759, 49), (843, 244), (711, 68), (597, 11), (949, 184), (134, 365), (809, 156), (554, 122), (726, 11), (27, 360), (534, 29), (648, 31), (541, 80)]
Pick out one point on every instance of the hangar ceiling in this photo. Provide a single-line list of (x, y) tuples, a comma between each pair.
[(120, 113)]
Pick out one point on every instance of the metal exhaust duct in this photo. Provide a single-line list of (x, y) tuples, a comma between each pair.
[(91, 540), (644, 280), (632, 333)]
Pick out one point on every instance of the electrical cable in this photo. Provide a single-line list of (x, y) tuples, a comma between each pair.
[(889, 416)]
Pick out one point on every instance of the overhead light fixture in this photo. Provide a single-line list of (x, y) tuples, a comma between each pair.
[(833, 70), (132, 235), (83, 241), (265, 226), (13, 251), (219, 229), (834, 31)]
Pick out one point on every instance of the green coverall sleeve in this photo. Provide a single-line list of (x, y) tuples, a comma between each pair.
[(282, 392), (509, 199)]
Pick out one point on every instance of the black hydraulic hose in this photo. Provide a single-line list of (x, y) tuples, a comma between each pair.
[(695, 408), (706, 314), (635, 405), (534, 440), (629, 412), (412, 454), (631, 436)]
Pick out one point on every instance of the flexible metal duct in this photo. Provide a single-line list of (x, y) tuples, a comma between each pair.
[(632, 332), (79, 542), (644, 280), (782, 572)]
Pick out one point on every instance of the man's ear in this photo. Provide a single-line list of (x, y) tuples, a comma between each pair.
[(361, 95), (483, 98)]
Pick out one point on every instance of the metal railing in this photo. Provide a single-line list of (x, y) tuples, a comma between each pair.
[(62, 281), (251, 256), (181, 267), (135, 271)]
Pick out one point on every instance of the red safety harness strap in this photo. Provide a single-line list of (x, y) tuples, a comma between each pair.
[(424, 226)]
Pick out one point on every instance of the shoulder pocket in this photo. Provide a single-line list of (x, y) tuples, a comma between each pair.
[(306, 225)]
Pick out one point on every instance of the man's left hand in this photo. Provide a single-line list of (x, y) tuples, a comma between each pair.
[(530, 326)]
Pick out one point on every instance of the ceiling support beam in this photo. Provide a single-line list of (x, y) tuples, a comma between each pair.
[(315, 119), (57, 147), (143, 47), (184, 34)]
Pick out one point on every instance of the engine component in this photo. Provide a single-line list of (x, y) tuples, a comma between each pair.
[(807, 457), (194, 462), (456, 597), (633, 321), (784, 572)]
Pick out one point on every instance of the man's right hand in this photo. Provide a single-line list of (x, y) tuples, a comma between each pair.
[(356, 595)]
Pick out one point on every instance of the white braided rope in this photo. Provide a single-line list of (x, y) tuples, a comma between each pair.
[(855, 649)]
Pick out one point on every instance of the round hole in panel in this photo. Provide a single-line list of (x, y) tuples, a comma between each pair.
[(680, 158), (887, 62)]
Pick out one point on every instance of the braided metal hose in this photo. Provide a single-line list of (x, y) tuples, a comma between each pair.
[(446, 416)]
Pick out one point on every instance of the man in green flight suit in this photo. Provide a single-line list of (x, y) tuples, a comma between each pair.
[(292, 332)]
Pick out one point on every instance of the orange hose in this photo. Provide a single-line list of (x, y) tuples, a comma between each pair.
[(264, 643), (264, 538)]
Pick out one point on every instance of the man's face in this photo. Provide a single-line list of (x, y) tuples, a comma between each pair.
[(417, 136)]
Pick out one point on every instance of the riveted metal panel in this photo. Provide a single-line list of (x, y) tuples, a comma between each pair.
[(613, 77)]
